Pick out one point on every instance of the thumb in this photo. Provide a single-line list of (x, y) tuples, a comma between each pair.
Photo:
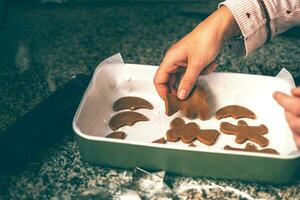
[(189, 78)]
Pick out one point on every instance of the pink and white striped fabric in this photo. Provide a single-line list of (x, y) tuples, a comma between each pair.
[(260, 20)]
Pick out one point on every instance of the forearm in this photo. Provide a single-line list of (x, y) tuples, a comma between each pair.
[(260, 20), (220, 27)]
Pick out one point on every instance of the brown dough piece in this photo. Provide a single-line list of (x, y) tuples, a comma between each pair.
[(244, 132), (126, 118), (252, 148), (208, 136), (161, 140), (117, 135), (187, 133), (235, 111), (181, 131), (131, 103), (192, 145), (196, 105)]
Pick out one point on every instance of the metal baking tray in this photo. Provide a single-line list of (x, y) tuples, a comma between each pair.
[(112, 80)]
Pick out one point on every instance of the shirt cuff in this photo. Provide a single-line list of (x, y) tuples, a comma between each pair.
[(251, 21)]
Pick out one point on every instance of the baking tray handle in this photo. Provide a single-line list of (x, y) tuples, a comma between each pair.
[(24, 141)]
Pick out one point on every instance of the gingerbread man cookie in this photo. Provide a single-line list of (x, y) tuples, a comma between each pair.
[(244, 132), (181, 131), (187, 133), (196, 105)]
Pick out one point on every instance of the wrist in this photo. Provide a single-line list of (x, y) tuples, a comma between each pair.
[(226, 24)]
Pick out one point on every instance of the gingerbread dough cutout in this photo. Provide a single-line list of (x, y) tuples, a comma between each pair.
[(187, 133), (252, 148), (235, 111), (192, 145), (131, 103), (161, 140), (196, 105), (181, 131), (208, 136), (117, 135), (244, 132), (127, 118)]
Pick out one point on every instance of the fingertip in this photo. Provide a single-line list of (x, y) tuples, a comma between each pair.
[(184, 89), (163, 95), (296, 91), (182, 94), (162, 90), (275, 94), (185, 86)]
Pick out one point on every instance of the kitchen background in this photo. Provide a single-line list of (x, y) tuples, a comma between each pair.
[(45, 43)]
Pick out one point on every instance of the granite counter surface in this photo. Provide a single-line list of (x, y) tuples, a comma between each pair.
[(44, 45)]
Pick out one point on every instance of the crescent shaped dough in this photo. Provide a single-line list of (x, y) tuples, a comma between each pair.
[(235, 111), (127, 118), (131, 103)]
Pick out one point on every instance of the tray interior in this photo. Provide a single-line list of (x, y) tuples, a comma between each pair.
[(111, 82)]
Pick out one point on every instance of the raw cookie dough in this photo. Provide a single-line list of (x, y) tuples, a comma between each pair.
[(235, 111), (126, 118), (181, 131), (244, 132), (161, 140), (192, 145), (208, 136), (131, 103), (196, 105), (117, 135), (187, 133), (252, 148)]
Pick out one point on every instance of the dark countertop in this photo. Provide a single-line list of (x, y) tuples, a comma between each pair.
[(44, 45)]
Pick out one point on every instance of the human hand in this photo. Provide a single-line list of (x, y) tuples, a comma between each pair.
[(291, 105), (195, 51)]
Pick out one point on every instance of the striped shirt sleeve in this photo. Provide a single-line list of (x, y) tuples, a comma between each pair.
[(260, 20)]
